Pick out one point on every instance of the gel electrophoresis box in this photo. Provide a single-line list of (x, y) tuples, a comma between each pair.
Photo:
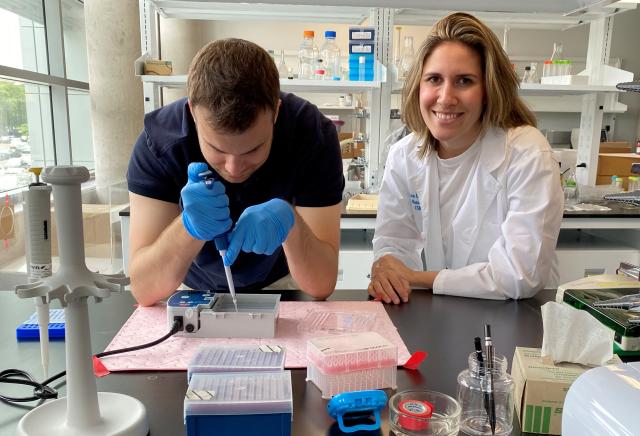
[(208, 315)]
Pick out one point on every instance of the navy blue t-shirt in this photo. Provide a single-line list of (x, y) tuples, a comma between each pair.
[(304, 167)]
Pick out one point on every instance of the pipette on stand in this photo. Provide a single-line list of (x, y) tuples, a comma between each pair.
[(38, 205), (221, 242)]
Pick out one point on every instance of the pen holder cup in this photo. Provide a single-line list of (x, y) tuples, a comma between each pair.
[(475, 399), (422, 412)]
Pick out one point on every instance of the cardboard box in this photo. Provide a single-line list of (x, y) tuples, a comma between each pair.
[(615, 147), (353, 149), (158, 68), (540, 389), (615, 164), (363, 203)]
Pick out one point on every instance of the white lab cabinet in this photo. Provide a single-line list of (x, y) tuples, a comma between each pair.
[(356, 257)]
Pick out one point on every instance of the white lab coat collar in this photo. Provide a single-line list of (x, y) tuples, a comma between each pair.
[(483, 187)]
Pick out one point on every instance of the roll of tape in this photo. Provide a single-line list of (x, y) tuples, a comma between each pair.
[(414, 414)]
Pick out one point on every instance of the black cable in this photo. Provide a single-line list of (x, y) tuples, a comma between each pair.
[(41, 391), (177, 326)]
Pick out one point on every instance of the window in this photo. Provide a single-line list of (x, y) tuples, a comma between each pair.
[(80, 121), (44, 99), (22, 33), (75, 40), (25, 132)]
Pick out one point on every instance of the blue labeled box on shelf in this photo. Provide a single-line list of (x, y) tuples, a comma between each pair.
[(29, 331), (361, 67), (355, 61), (356, 74), (229, 404)]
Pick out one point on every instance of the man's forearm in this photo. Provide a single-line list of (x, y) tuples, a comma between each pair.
[(312, 262), (158, 269)]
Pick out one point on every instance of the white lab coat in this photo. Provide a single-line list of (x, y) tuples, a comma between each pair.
[(505, 231)]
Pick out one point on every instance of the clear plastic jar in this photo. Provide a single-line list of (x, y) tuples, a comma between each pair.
[(330, 54), (547, 68), (475, 401), (423, 412), (307, 56)]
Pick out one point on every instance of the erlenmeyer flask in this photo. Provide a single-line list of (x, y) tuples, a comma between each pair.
[(406, 60), (283, 70)]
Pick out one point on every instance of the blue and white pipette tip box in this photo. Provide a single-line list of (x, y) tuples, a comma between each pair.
[(228, 358), (29, 331), (209, 315), (230, 404)]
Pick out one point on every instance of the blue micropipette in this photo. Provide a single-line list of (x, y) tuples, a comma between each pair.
[(221, 242)]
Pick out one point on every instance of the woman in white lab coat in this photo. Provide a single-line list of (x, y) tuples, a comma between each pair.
[(475, 186)]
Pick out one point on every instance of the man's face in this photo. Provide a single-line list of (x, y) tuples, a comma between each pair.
[(235, 156)]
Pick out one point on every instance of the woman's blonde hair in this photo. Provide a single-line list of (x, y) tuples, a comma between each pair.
[(503, 108)]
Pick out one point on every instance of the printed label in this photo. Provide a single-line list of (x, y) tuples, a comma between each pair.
[(39, 270), (361, 35), (415, 201), (367, 49)]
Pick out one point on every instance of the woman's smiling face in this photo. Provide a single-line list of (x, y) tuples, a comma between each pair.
[(452, 97)]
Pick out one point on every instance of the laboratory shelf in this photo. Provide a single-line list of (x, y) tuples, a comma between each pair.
[(552, 13), (334, 107), (301, 85), (568, 104), (540, 89), (265, 10), (543, 18), (177, 81), (290, 85)]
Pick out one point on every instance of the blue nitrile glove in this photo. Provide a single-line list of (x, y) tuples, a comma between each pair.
[(205, 209), (260, 229)]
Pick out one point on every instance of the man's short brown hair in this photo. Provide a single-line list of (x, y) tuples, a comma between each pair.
[(235, 80)]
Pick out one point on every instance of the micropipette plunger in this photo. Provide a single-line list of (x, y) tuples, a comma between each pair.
[(221, 242)]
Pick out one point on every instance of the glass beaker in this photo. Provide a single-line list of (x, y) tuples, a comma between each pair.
[(475, 401)]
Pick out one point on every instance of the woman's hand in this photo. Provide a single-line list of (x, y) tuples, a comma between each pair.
[(390, 280)]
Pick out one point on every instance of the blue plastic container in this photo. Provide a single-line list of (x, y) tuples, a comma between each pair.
[(231, 404)]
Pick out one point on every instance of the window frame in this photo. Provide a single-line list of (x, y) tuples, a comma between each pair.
[(56, 80)]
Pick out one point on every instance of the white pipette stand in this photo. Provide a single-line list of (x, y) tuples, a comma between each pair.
[(84, 411)]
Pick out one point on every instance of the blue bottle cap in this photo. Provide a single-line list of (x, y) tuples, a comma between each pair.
[(330, 34)]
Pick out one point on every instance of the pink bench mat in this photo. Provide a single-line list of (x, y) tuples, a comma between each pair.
[(149, 323)]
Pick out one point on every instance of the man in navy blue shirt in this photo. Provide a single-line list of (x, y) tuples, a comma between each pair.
[(277, 191)]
